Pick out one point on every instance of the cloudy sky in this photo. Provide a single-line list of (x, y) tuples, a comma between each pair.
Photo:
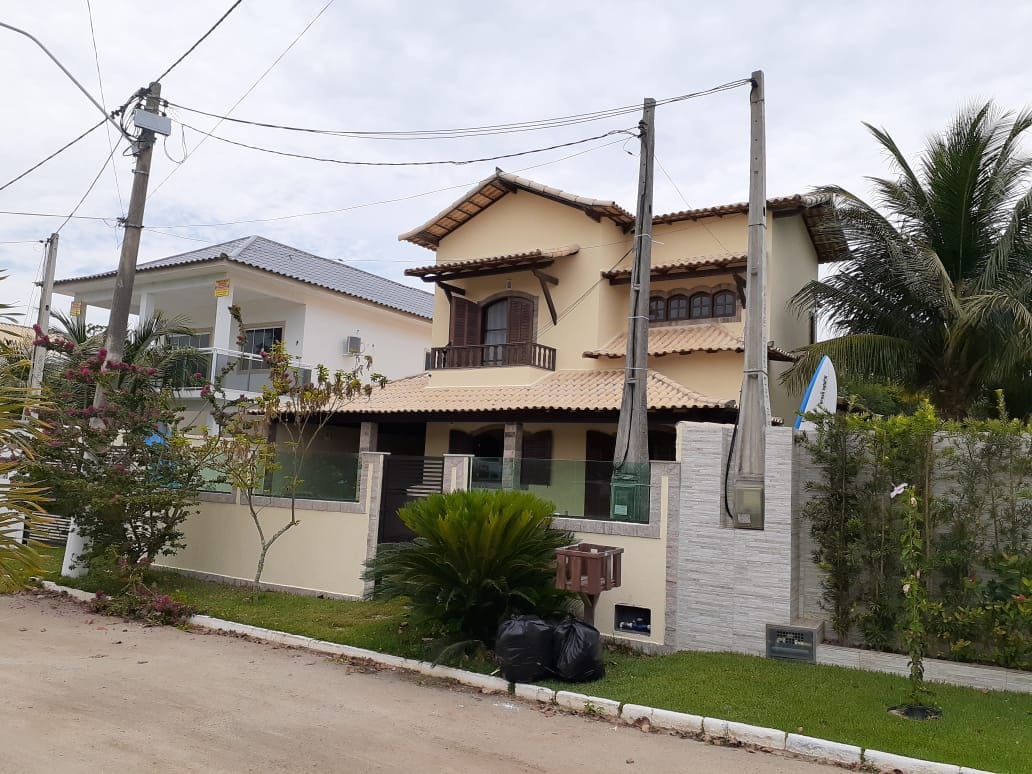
[(392, 65)]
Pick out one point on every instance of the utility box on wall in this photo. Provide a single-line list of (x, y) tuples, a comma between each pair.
[(748, 506), (792, 643)]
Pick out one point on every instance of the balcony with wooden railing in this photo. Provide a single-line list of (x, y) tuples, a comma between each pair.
[(492, 356)]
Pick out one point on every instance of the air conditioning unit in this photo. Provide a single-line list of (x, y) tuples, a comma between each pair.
[(353, 345)]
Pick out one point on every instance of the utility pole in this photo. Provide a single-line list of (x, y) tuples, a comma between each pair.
[(118, 320), (39, 354), (754, 406), (631, 461)]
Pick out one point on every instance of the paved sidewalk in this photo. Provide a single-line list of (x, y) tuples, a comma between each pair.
[(83, 693)]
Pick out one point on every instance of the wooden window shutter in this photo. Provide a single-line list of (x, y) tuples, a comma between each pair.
[(521, 320), (536, 466), (465, 322), (460, 442)]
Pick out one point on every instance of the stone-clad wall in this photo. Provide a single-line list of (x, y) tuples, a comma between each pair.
[(729, 583)]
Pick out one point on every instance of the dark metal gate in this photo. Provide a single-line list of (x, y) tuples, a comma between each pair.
[(406, 479)]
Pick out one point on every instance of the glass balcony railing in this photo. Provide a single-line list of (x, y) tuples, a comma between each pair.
[(241, 371), (577, 488), (323, 476)]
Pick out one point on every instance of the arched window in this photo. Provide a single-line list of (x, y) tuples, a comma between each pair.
[(677, 308), (701, 306), (657, 309), (724, 304)]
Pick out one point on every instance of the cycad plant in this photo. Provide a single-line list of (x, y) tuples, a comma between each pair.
[(937, 294), (477, 558)]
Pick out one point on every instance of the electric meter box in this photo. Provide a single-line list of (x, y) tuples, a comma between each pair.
[(747, 509)]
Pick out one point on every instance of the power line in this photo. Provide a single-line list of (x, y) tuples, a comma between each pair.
[(686, 204), (60, 150), (490, 129), (244, 96), (395, 200), (103, 101), (54, 215), (88, 190), (23, 242), (189, 51), (452, 162)]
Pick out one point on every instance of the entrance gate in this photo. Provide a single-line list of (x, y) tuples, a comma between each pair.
[(405, 479)]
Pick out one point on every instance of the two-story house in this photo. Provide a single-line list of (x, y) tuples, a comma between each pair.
[(324, 311), (530, 316)]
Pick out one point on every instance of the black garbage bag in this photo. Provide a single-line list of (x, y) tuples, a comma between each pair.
[(524, 649), (578, 652)]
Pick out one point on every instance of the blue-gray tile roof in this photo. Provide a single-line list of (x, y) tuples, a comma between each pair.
[(267, 255)]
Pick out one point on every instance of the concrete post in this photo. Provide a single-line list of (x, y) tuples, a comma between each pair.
[(368, 437), (512, 453), (457, 470)]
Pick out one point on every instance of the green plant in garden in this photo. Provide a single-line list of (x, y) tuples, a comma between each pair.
[(126, 472), (270, 435), (935, 294), (839, 450), (477, 558), (915, 631), (20, 498)]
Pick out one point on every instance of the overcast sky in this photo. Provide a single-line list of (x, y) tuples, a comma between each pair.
[(383, 65)]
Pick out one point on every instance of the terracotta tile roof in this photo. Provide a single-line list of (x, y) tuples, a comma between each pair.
[(680, 266), (684, 340), (584, 390), (818, 213), (531, 257), (493, 188)]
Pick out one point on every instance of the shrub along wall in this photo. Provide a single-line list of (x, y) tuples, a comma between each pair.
[(973, 481)]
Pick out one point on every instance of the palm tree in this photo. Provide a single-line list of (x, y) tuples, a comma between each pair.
[(937, 293)]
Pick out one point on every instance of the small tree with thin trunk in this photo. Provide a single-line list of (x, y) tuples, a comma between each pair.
[(247, 453)]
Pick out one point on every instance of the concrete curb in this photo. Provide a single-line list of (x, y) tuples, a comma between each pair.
[(629, 714)]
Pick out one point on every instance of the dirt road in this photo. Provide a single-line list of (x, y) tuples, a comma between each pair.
[(83, 693)]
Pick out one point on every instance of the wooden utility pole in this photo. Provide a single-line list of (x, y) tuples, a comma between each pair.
[(39, 354), (631, 460), (754, 407), (118, 321)]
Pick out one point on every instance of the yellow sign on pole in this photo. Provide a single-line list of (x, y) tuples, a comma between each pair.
[(76, 309), (221, 288)]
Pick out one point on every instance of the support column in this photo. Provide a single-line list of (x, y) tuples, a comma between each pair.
[(457, 469), (146, 307), (370, 490), (512, 453), (78, 308), (368, 437), (223, 335)]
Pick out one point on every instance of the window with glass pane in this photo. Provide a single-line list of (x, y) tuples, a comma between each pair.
[(657, 309), (496, 331), (186, 341), (724, 304), (258, 340), (702, 306), (677, 308)]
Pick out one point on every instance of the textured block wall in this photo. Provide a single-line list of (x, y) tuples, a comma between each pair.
[(730, 582)]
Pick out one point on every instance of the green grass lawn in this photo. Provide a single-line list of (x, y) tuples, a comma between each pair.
[(980, 729)]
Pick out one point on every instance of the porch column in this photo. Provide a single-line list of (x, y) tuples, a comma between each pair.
[(146, 307), (223, 335), (457, 472), (78, 308), (370, 489), (512, 453), (367, 439)]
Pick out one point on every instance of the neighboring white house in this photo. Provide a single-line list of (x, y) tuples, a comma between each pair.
[(324, 311)]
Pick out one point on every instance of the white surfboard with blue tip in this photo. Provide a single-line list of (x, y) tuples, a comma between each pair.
[(821, 394)]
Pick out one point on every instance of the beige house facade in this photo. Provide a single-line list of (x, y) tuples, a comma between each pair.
[(527, 356)]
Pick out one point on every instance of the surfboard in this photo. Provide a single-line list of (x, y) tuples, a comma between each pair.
[(821, 394)]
